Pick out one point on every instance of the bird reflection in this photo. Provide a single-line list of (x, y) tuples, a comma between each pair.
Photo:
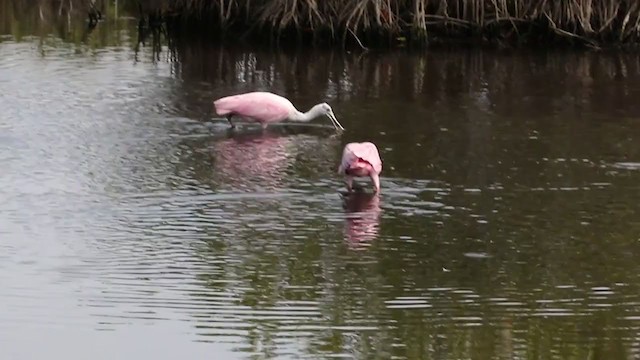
[(267, 159), (362, 218), (254, 158)]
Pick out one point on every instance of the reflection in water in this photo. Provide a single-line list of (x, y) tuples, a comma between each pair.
[(510, 202), (268, 158), (362, 219), (248, 158), (254, 158)]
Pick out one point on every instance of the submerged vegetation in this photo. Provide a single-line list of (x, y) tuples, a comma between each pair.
[(379, 23)]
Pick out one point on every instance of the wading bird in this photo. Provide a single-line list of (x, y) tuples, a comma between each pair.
[(267, 108), (361, 159)]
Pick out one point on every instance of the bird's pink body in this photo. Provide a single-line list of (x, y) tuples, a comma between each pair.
[(263, 107), (361, 159)]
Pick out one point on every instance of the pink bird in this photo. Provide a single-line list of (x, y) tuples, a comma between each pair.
[(361, 159), (267, 108)]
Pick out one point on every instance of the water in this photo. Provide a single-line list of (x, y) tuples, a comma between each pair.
[(135, 225)]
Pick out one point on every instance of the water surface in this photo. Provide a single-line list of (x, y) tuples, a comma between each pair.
[(134, 224)]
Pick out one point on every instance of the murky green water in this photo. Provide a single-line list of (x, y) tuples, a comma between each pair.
[(134, 226)]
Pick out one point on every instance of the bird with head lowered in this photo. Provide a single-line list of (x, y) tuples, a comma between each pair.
[(360, 160), (268, 108)]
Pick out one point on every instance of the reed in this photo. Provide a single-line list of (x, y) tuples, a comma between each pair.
[(375, 23), (378, 22)]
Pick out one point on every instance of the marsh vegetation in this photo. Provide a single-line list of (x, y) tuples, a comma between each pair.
[(374, 23)]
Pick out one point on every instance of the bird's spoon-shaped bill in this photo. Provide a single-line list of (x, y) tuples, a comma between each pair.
[(334, 121)]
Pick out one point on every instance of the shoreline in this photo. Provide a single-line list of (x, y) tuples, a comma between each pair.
[(362, 25), (380, 24)]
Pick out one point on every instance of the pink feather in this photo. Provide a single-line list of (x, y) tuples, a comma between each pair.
[(365, 151), (263, 107), (361, 159)]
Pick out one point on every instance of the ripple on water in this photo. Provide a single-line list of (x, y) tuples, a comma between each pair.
[(466, 307), (122, 209), (627, 165)]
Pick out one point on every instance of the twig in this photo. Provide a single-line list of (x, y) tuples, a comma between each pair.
[(559, 31), (358, 40), (450, 19), (610, 20), (509, 19)]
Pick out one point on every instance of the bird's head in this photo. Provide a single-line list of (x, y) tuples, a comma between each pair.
[(325, 109)]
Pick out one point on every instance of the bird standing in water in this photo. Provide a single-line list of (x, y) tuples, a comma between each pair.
[(267, 108), (359, 160)]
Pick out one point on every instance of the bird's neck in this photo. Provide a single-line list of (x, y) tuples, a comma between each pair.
[(304, 117)]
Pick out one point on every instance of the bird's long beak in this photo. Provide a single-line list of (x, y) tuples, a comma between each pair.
[(334, 121)]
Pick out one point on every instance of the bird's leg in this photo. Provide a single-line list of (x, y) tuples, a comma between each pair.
[(349, 183), (233, 126), (376, 183)]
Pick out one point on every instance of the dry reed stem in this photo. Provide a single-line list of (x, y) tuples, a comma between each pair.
[(589, 21)]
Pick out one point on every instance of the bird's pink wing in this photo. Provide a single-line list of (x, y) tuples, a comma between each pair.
[(366, 151), (348, 158), (257, 105)]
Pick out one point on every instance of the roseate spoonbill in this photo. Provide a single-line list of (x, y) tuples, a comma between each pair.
[(266, 108), (361, 159)]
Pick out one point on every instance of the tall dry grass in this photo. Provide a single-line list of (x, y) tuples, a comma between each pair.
[(590, 22)]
